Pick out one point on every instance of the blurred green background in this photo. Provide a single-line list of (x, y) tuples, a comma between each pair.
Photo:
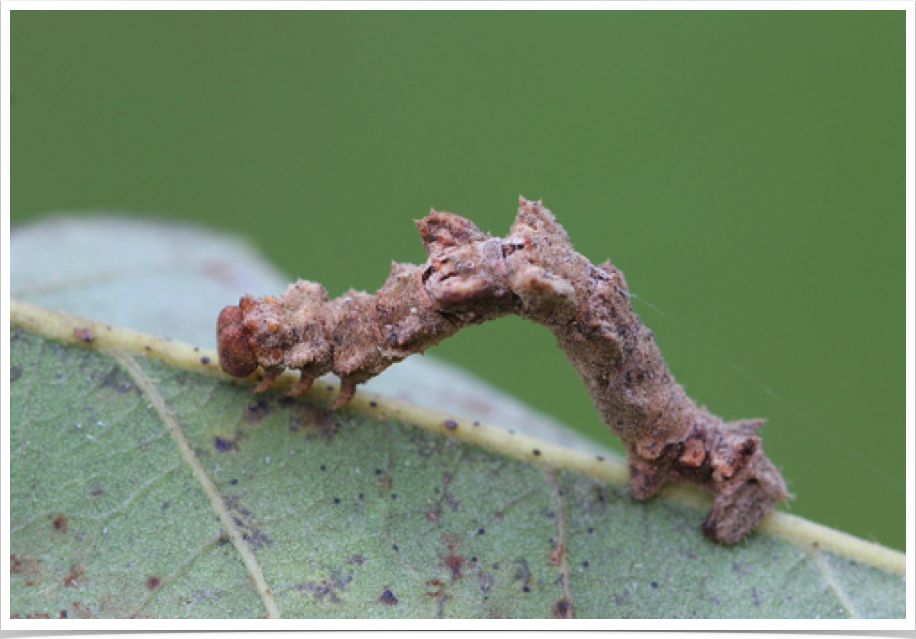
[(744, 169)]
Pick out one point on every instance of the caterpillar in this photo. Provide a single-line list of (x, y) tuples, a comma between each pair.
[(471, 277)]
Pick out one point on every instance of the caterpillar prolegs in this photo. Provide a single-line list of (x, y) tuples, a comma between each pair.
[(471, 277)]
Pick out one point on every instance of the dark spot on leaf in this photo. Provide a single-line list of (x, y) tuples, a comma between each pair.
[(15, 373), (329, 387), (438, 585), (395, 547), (149, 348), (327, 589), (96, 489), (600, 458), (477, 423), (591, 530), (585, 564), (336, 500), (59, 522), (62, 614), (84, 335), (356, 559), (521, 574), (536, 452), (256, 539), (654, 584), (373, 404), (563, 609), (153, 582), (388, 598), (221, 444), (204, 360), (323, 467), (481, 531), (30, 569), (314, 420), (394, 495), (245, 521), (256, 411), (378, 471), (360, 495), (118, 380), (450, 424), (70, 578), (233, 481), (454, 563)]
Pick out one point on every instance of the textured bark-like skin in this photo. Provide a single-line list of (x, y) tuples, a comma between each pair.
[(534, 272)]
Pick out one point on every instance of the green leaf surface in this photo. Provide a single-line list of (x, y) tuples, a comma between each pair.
[(144, 483)]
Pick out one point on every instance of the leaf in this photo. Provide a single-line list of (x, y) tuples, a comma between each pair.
[(145, 483)]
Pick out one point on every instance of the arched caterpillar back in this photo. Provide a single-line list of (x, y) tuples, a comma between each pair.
[(471, 277)]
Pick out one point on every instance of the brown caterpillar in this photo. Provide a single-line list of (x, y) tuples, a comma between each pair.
[(471, 277)]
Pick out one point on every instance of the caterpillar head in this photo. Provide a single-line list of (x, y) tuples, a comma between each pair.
[(236, 356)]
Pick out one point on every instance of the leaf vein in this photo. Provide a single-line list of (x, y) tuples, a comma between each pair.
[(561, 557), (216, 501), (830, 578)]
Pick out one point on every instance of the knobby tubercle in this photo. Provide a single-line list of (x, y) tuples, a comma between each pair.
[(471, 277)]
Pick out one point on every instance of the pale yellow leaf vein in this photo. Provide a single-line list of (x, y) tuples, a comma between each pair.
[(152, 394), (830, 578)]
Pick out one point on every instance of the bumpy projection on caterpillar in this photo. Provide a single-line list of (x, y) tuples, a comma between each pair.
[(471, 277)]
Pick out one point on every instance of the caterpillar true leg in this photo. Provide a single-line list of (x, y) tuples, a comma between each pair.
[(347, 389), (305, 383), (267, 382)]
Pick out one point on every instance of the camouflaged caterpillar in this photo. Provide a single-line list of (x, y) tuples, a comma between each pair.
[(471, 277)]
